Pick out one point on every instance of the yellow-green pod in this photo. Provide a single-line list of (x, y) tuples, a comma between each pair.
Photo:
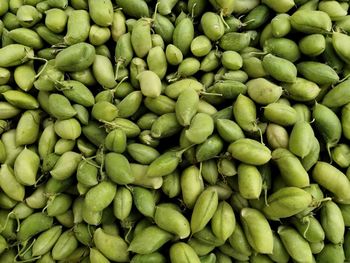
[(340, 154), (244, 111), (234, 41), (257, 230), (101, 12), (28, 15), (279, 68), (69, 129), (99, 35), (139, 171), (301, 139), (24, 76), (122, 203), (297, 247), (156, 61), (118, 168), (201, 127), (78, 27), (277, 136), (191, 185), (283, 48), (249, 181), (65, 245), (165, 125), (150, 83), (183, 35), (279, 253), (100, 196), (281, 114), (9, 183), (134, 8), (47, 141), (333, 9), (263, 91), (183, 253), (332, 252), (312, 45), (311, 22), (212, 25), (34, 224), (280, 7), (66, 165), (171, 184), (56, 20), (310, 228), (26, 167), (60, 107), (95, 256), (186, 106), (223, 222), (141, 37), (21, 99), (172, 221), (118, 27), (173, 55), (103, 71), (201, 46), (280, 25), (27, 131)]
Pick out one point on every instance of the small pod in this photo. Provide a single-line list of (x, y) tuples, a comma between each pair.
[(164, 27), (310, 228), (174, 89), (257, 230), (277, 136), (312, 45), (134, 8), (229, 130), (149, 240), (68, 129), (279, 68), (201, 127), (9, 183), (244, 111), (20, 99), (318, 73), (298, 248), (183, 35), (301, 139), (223, 222), (34, 224), (100, 196), (280, 113), (286, 202), (26, 167), (60, 107), (122, 203), (165, 126), (101, 12), (212, 25), (103, 71), (249, 151), (118, 168), (332, 222), (56, 20), (78, 27), (45, 242), (337, 96), (234, 41), (171, 184), (171, 220), (280, 7), (141, 37), (263, 91), (283, 48), (150, 83), (280, 25), (340, 154), (66, 165), (183, 253), (249, 181), (332, 252), (191, 185), (311, 22)]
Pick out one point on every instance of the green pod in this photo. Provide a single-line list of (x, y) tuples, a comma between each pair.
[(229, 130), (182, 252), (87, 173), (207, 237), (229, 89), (122, 203), (174, 89), (8, 111), (141, 153), (116, 141), (27, 131), (244, 111), (145, 121), (283, 48), (66, 165), (279, 253), (60, 107), (257, 230), (281, 114), (118, 27), (37, 199), (277, 136), (78, 27), (253, 67), (280, 7), (101, 12), (28, 71), (331, 253), (340, 155), (11, 148), (212, 25), (223, 222), (337, 96), (333, 9), (286, 202), (171, 184), (26, 167), (201, 46), (279, 68), (249, 181), (297, 247), (28, 15), (332, 222), (100, 196), (149, 240), (263, 91), (344, 121), (10, 21), (54, 186), (164, 164), (68, 129), (280, 25), (134, 8), (201, 127), (189, 66), (328, 124), (310, 228), (46, 241), (312, 45), (165, 126), (231, 60), (48, 77), (123, 50), (5, 75), (65, 245), (94, 133), (239, 243), (160, 105), (199, 247), (156, 61), (77, 92), (130, 128), (209, 149), (302, 90), (234, 41), (301, 139), (165, 7), (9, 184), (183, 35), (155, 257), (163, 27), (139, 171), (48, 36), (256, 17), (56, 20), (82, 114), (191, 185), (303, 111), (318, 73), (249, 151), (173, 55), (34, 224), (150, 83), (204, 209), (20, 99), (103, 71), (21, 211), (130, 104), (186, 106), (141, 37), (172, 220), (118, 168), (76, 57), (6, 202), (26, 37), (90, 217), (104, 111), (85, 147), (311, 22), (96, 256)]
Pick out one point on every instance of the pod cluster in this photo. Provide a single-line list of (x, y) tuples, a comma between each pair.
[(174, 131)]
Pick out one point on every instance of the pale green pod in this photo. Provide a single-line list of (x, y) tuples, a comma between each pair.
[(249, 181), (26, 167), (301, 139)]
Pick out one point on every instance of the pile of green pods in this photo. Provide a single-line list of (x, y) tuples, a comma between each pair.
[(199, 131)]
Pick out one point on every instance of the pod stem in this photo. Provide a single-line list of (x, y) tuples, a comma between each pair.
[(89, 162), (223, 19), (28, 260), (180, 152), (345, 78), (120, 62), (211, 94), (260, 133)]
